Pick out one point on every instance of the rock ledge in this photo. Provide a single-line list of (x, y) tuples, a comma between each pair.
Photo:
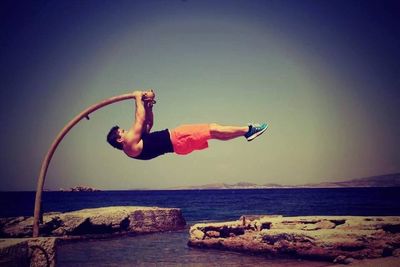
[(332, 238), (100, 221), (18, 249)]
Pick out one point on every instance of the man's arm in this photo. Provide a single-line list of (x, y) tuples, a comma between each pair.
[(148, 99), (135, 132), (148, 123)]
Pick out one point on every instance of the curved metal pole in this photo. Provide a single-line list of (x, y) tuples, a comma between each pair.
[(56, 142)]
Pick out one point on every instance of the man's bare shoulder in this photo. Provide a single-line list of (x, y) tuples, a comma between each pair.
[(133, 149)]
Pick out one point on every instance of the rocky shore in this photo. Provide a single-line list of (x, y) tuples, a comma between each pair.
[(339, 239), (108, 220), (17, 248)]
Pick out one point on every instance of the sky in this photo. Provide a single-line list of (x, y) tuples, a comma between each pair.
[(325, 75)]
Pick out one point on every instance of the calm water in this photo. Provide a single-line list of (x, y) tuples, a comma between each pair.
[(169, 249)]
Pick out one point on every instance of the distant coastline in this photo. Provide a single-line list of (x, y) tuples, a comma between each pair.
[(387, 180)]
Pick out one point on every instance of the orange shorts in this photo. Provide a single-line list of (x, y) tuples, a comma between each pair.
[(187, 138)]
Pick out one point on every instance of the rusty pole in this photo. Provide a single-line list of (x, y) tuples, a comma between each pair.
[(56, 142)]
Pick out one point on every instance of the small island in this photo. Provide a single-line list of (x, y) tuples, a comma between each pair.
[(80, 188)]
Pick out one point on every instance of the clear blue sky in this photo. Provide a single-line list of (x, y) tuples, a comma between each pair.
[(324, 74)]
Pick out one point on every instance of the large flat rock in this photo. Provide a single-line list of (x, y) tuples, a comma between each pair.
[(17, 249), (98, 221), (332, 238)]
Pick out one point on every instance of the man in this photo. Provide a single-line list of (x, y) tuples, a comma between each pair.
[(139, 143)]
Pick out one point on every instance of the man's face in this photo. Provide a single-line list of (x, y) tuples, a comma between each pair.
[(121, 133)]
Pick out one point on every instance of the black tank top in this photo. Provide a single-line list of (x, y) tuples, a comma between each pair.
[(155, 144)]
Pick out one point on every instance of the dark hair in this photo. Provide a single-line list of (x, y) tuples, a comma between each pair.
[(113, 136)]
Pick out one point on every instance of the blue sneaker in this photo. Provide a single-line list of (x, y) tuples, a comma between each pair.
[(255, 130)]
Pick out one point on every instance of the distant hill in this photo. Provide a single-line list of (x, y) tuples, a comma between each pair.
[(388, 180), (240, 185)]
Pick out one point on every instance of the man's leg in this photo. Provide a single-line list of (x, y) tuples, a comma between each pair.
[(187, 138), (222, 132)]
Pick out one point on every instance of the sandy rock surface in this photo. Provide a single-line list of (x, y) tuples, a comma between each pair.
[(107, 220), (340, 239)]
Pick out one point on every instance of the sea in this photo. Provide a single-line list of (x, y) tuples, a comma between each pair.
[(170, 248)]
